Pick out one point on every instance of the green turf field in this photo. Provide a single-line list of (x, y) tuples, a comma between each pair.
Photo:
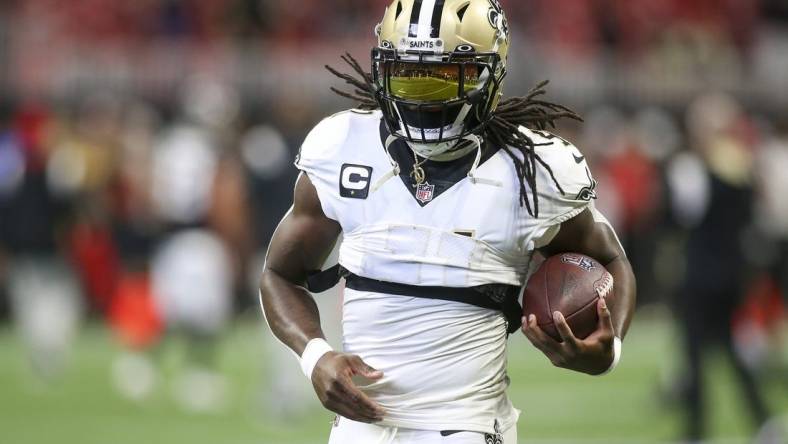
[(558, 407)]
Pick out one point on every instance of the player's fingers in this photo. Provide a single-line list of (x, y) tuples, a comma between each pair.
[(605, 320), (347, 411), (360, 401), (539, 338), (346, 408), (564, 330), (362, 368), (338, 399)]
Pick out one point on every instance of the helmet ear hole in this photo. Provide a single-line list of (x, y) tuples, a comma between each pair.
[(399, 10), (463, 9)]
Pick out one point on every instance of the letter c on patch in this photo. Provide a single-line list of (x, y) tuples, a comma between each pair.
[(354, 181)]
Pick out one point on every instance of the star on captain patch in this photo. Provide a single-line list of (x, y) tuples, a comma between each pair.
[(425, 192)]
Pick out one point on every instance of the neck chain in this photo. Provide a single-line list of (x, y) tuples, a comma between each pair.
[(418, 173)]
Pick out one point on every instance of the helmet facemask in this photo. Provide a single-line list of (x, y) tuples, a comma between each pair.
[(436, 98)]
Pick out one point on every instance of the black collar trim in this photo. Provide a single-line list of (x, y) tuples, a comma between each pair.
[(440, 175)]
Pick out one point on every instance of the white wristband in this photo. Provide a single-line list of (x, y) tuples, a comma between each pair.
[(314, 350), (616, 356)]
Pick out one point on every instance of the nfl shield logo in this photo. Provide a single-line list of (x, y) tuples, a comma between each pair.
[(425, 192)]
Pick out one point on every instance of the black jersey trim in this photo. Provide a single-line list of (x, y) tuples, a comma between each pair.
[(443, 175)]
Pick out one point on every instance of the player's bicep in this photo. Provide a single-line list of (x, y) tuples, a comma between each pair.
[(584, 234), (304, 237)]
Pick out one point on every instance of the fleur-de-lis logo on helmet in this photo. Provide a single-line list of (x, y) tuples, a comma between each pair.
[(498, 19)]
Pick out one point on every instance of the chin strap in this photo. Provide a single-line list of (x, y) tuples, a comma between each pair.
[(394, 170), (472, 173), (439, 151)]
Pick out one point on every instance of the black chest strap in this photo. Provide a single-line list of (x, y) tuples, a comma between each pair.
[(500, 297), (320, 281)]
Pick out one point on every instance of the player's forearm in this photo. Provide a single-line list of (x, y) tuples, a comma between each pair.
[(290, 311), (622, 304)]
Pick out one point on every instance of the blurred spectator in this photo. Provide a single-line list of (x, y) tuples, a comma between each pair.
[(184, 166), (717, 215), (44, 298), (192, 286)]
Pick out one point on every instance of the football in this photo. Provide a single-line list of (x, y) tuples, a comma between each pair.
[(572, 284)]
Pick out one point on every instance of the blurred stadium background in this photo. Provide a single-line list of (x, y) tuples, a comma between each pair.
[(145, 159)]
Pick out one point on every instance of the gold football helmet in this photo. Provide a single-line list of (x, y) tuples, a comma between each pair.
[(439, 67)]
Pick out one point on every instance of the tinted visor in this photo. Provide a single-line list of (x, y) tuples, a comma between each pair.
[(434, 82)]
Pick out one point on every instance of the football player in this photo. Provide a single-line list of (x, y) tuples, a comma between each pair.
[(444, 194)]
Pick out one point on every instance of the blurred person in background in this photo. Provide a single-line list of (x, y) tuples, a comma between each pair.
[(35, 213), (192, 287), (85, 159), (197, 192), (126, 246), (712, 197), (761, 322)]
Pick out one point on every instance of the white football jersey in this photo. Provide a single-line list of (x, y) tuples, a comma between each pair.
[(444, 361)]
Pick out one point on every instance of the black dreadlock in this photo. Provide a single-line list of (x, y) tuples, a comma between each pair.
[(502, 129)]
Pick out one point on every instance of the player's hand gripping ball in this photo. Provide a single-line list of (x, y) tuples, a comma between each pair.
[(572, 284)]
